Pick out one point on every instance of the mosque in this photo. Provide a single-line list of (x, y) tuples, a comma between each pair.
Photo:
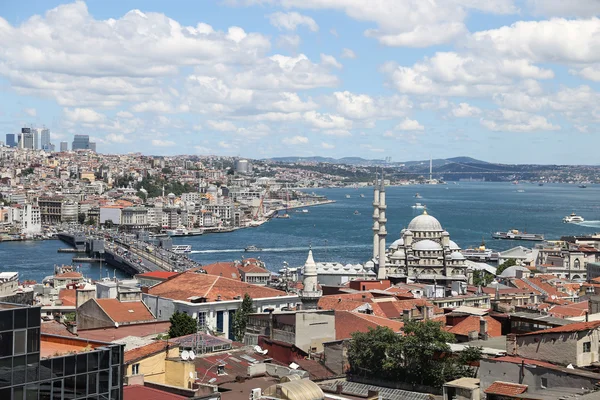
[(423, 253)]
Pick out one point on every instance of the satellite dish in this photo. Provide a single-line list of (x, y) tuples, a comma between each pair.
[(185, 355), (192, 355), (212, 380), (191, 375)]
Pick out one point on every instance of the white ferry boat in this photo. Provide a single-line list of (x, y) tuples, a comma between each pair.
[(515, 234), (183, 231), (252, 249), (181, 248), (418, 206), (573, 219)]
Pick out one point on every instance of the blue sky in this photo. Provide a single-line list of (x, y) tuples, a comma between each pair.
[(506, 81)]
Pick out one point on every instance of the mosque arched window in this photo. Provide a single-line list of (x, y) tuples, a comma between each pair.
[(576, 264)]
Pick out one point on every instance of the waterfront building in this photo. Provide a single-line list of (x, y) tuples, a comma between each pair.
[(10, 140), (81, 142), (134, 217), (29, 219), (112, 213), (311, 292), (424, 251), (9, 283), (64, 146), (42, 366)]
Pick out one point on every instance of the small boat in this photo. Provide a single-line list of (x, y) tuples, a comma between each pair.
[(540, 184), (573, 219), (356, 212), (347, 196), (520, 191), (418, 206), (362, 195), (252, 249), (418, 196), (181, 248), (514, 234), (304, 210), (582, 186), (286, 215)]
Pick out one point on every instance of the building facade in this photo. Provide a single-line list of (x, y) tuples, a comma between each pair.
[(81, 142)]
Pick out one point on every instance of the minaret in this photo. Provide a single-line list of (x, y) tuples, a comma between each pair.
[(375, 219), (310, 293), (381, 271), (430, 169)]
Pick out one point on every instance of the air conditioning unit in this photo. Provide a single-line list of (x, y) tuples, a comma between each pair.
[(255, 394)]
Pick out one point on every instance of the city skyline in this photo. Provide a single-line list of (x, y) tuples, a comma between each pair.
[(261, 79)]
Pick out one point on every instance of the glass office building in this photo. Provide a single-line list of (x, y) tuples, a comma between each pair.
[(36, 366)]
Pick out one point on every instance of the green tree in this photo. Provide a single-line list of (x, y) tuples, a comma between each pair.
[(181, 325), (482, 278), (70, 317), (108, 223), (166, 170), (81, 218), (506, 264), (368, 351), (241, 316)]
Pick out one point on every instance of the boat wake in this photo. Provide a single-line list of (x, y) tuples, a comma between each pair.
[(281, 250), (590, 224)]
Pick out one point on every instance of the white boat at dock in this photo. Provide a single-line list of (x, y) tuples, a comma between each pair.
[(183, 231)]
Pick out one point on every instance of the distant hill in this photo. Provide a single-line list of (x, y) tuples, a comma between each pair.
[(361, 161)]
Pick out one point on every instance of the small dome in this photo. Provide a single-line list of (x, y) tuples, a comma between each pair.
[(171, 195), (427, 245), (425, 223), (457, 255), (453, 246), (397, 243), (445, 233), (407, 233), (369, 265), (398, 254)]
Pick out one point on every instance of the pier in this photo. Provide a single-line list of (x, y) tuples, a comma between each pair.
[(128, 254)]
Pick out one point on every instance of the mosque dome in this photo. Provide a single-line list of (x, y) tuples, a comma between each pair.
[(398, 255), (171, 195), (425, 223), (452, 245), (457, 255), (427, 245), (397, 243)]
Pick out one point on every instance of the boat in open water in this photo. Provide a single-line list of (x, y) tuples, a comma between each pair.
[(181, 248), (250, 249), (573, 219), (515, 234)]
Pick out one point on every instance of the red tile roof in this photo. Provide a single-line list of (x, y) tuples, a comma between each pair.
[(140, 330), (226, 269), (576, 327), (125, 312), (315, 369), (347, 322), (145, 351), (71, 274), (472, 324), (349, 302), (68, 297), (234, 365), (55, 328), (520, 360), (570, 310), (157, 274), (506, 389), (189, 284), (136, 392)]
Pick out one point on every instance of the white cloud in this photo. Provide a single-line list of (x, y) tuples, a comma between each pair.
[(291, 20), (83, 115), (162, 143), (465, 110), (363, 106), (582, 128), (334, 32), (413, 23), (337, 132), (347, 53), (117, 138), (289, 41), (327, 146), (326, 121), (517, 121), (221, 126), (409, 125), (30, 112), (562, 8), (330, 61), (295, 140), (124, 114), (225, 145), (153, 106)]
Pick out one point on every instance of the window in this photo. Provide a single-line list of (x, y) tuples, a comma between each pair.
[(587, 347), (135, 369), (19, 342), (544, 383)]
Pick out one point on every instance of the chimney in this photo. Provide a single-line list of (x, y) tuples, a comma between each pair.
[(427, 312), (511, 344), (72, 327), (483, 328), (406, 315)]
